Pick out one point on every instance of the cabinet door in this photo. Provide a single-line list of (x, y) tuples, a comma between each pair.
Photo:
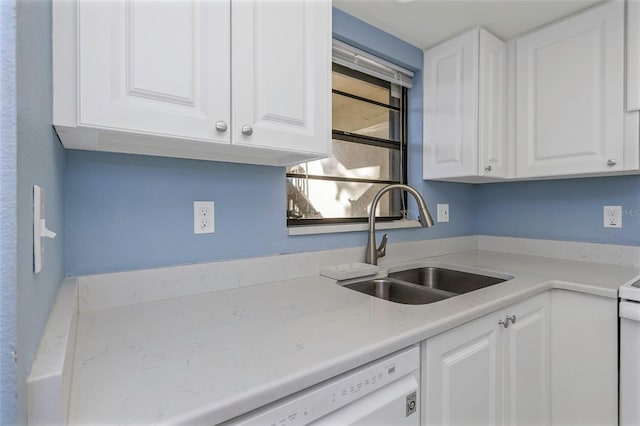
[(526, 377), (155, 67), (570, 95), (492, 113), (584, 359), (633, 55), (281, 80), (463, 375), (450, 108)]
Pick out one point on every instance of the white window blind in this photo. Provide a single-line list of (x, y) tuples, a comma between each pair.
[(359, 60)]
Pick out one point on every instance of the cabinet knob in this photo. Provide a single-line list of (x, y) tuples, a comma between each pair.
[(487, 169), (247, 130), (221, 126), (509, 319), (611, 162)]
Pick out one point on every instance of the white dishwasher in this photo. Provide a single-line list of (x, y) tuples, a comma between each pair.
[(630, 354), (383, 392)]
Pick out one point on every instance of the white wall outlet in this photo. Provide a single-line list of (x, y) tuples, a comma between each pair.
[(612, 217), (203, 218), (443, 212)]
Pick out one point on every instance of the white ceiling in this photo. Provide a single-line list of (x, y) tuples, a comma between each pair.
[(425, 23)]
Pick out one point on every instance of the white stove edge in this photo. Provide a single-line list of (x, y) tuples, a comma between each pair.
[(630, 292)]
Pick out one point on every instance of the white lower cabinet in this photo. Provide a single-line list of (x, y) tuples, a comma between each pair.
[(584, 360), (557, 364), (492, 370)]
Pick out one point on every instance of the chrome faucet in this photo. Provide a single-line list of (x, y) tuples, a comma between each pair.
[(425, 219)]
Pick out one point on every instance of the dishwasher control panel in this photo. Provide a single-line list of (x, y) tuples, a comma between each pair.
[(311, 404)]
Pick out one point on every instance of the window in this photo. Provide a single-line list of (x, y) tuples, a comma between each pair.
[(369, 152)]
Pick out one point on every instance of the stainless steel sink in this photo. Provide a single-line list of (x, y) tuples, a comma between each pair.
[(456, 282), (420, 286), (398, 292)]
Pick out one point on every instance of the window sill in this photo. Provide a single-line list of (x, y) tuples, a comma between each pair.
[(351, 227)]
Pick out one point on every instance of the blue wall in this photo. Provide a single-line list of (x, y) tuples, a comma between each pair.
[(130, 212), (38, 158), (569, 210), (8, 216)]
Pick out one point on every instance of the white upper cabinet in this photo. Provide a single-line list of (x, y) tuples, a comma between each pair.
[(492, 143), (633, 55), (570, 95), (464, 107), (245, 81), (280, 84), (155, 67)]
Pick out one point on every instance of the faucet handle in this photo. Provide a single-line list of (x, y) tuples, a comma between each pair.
[(382, 249)]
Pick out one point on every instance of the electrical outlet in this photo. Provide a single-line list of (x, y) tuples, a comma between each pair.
[(443, 212), (612, 216), (203, 218)]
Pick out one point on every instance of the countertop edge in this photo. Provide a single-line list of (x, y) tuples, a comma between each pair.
[(238, 405), (241, 402)]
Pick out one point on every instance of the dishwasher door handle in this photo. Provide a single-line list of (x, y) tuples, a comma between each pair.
[(630, 310)]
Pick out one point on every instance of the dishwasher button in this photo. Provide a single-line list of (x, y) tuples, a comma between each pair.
[(411, 403)]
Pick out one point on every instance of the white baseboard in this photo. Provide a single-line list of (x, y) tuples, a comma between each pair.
[(49, 382), (569, 250), (104, 291)]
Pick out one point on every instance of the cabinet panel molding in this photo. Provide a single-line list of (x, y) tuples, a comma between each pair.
[(136, 75), (179, 46), (450, 97), (491, 370), (492, 127), (570, 96), (281, 82), (463, 375), (527, 363), (465, 108)]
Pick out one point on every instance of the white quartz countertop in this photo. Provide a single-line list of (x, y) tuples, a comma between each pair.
[(207, 358)]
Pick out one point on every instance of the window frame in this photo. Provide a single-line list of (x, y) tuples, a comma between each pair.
[(401, 146)]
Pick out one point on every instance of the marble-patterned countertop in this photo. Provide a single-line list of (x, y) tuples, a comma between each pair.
[(207, 358)]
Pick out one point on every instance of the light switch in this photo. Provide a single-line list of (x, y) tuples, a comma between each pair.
[(40, 230)]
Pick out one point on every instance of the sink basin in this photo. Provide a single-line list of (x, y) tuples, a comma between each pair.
[(456, 282), (398, 292), (420, 286)]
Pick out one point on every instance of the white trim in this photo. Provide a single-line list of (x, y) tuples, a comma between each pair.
[(359, 60), (350, 227), (105, 291), (49, 382), (568, 250)]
